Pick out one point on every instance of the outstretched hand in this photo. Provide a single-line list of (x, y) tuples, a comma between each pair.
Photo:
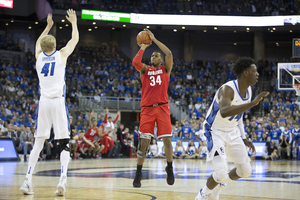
[(71, 16), (49, 20), (107, 110), (260, 97), (151, 35)]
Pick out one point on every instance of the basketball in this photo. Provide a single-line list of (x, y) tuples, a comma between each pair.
[(143, 38)]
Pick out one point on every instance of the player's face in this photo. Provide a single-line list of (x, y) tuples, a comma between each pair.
[(253, 75), (156, 59)]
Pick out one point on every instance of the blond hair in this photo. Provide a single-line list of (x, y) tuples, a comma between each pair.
[(47, 43)]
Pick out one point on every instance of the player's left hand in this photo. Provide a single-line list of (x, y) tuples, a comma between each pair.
[(118, 113), (249, 144), (71, 17), (151, 35)]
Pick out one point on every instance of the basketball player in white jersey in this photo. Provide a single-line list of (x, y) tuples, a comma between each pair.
[(224, 128), (52, 110)]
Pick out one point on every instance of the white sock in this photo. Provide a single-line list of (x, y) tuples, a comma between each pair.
[(206, 190), (226, 180), (34, 155), (64, 160)]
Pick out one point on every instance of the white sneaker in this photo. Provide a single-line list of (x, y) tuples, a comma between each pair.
[(61, 186), (27, 187), (216, 191), (201, 196)]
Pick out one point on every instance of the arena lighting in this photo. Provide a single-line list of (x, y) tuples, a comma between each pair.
[(194, 20), (36, 22), (216, 28), (62, 20), (291, 31)]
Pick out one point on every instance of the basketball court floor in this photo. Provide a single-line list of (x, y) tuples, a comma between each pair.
[(111, 179)]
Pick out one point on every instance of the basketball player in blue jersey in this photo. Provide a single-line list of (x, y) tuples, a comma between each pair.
[(224, 129), (52, 109)]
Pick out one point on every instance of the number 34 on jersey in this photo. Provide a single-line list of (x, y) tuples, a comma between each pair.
[(155, 81)]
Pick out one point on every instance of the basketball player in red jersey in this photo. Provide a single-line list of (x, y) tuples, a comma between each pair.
[(154, 103), (90, 134)]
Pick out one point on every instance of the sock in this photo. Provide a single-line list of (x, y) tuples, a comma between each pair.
[(169, 164), (64, 160), (206, 190), (34, 155), (226, 180), (139, 168)]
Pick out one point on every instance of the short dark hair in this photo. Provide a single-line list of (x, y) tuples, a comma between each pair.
[(242, 64), (161, 54), (109, 118)]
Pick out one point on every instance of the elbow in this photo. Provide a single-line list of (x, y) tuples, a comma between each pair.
[(223, 113), (169, 53)]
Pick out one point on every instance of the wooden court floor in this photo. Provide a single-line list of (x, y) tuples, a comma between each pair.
[(111, 179)]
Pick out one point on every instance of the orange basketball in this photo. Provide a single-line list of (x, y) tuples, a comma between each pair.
[(143, 38)]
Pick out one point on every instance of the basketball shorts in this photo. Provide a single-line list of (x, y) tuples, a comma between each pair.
[(83, 145), (52, 112), (232, 149), (91, 140), (160, 115)]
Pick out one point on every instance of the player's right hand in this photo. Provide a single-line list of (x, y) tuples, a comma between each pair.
[(49, 20), (107, 110), (259, 97), (92, 113)]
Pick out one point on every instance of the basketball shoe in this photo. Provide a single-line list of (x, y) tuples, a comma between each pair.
[(137, 180), (61, 186), (216, 191), (27, 187), (201, 196), (170, 176)]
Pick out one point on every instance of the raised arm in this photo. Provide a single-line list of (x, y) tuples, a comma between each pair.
[(69, 48), (166, 50), (105, 118), (90, 119), (137, 60), (226, 95), (38, 48), (117, 117)]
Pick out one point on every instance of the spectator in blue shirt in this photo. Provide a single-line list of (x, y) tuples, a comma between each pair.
[(259, 133), (185, 129), (176, 137)]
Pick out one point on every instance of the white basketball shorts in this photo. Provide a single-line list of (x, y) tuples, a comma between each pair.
[(52, 112), (231, 148)]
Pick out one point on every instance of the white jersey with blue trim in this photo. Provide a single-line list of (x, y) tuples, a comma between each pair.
[(51, 72), (214, 120)]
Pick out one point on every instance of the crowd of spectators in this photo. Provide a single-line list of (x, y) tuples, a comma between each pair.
[(106, 74), (8, 44), (196, 7)]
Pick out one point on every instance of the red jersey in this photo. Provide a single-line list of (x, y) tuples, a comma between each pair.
[(80, 140), (91, 132), (155, 83)]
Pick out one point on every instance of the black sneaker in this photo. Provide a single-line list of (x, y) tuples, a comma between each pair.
[(170, 176), (137, 180)]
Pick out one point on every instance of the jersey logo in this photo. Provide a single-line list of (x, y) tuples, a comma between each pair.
[(222, 150), (155, 72)]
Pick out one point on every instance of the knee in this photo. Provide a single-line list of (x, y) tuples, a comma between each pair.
[(244, 170), (167, 142), (219, 175)]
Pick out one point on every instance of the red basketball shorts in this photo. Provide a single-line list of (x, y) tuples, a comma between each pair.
[(83, 145), (160, 115)]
